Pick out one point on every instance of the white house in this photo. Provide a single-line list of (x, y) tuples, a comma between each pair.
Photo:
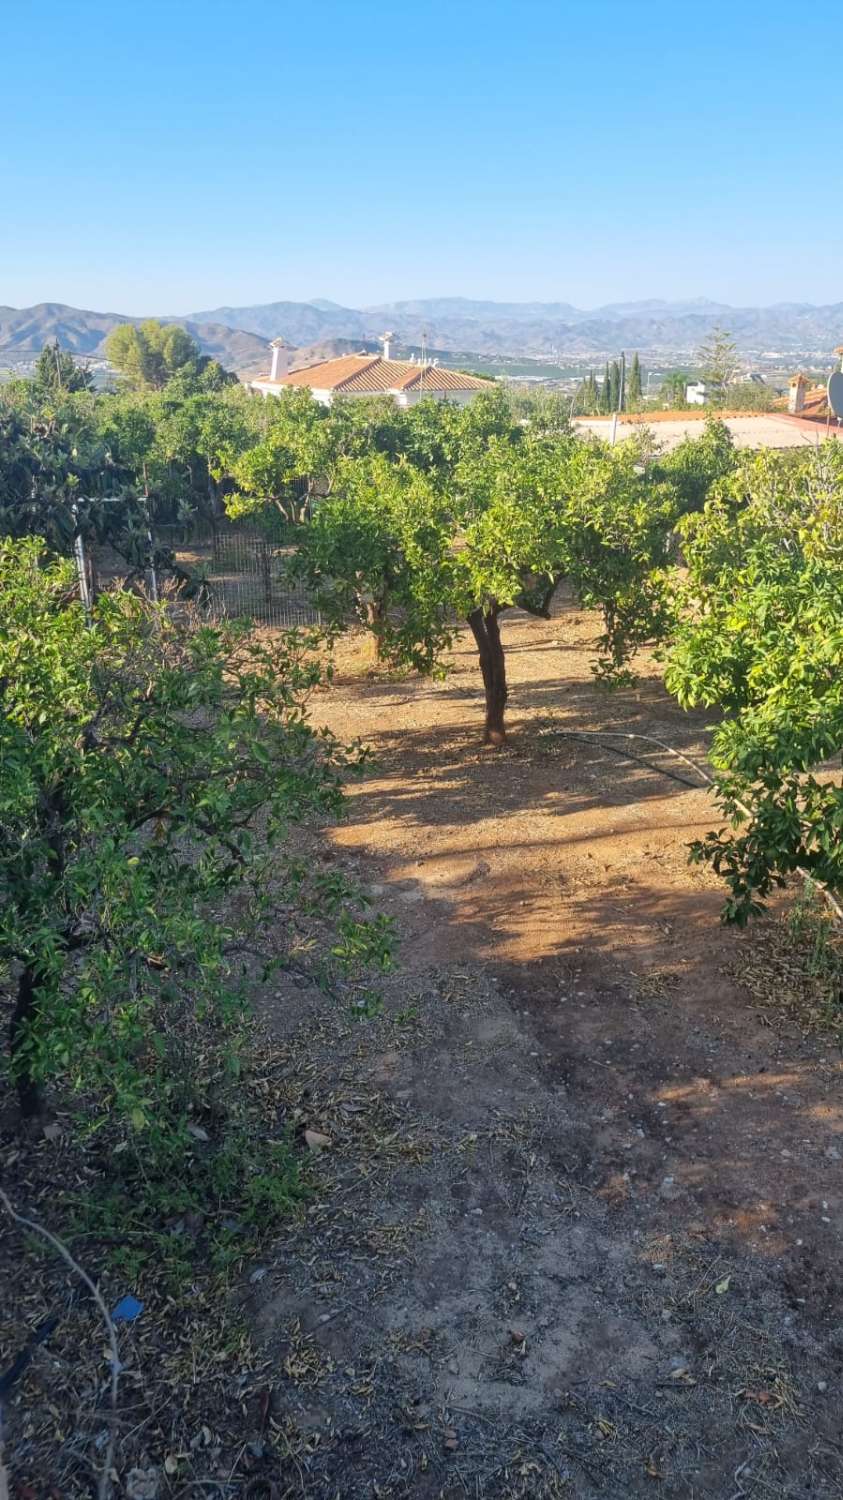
[(406, 381), (697, 393)]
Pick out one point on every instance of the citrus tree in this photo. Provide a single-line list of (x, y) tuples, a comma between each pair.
[(150, 771), (761, 638), (499, 526)]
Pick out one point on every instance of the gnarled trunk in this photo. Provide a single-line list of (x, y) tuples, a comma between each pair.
[(375, 615), (30, 1098), (486, 632)]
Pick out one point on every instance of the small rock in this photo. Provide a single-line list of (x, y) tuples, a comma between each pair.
[(453, 1367), (258, 1274), (822, 1386), (143, 1484), (832, 1153), (450, 1441), (316, 1141)]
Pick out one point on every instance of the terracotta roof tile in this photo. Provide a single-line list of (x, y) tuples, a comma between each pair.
[(372, 374)]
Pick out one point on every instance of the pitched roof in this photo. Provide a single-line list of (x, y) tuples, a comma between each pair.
[(356, 374), (814, 406)]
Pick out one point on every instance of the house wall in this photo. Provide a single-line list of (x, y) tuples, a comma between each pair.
[(401, 398), (696, 395)]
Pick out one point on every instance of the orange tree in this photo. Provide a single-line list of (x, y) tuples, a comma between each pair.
[(760, 636), (497, 524), (150, 772)]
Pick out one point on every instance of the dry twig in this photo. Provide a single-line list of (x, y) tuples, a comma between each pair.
[(51, 1239)]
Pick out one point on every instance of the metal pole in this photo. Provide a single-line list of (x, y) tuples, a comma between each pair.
[(81, 568), (153, 576)]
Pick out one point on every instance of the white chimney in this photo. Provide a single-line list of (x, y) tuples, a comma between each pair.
[(277, 346), (796, 393), (386, 340)]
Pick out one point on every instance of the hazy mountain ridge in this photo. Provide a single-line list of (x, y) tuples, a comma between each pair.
[(25, 331), (543, 328), (238, 336)]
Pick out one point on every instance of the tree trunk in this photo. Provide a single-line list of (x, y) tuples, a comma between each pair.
[(487, 634), (374, 618), (30, 1098)]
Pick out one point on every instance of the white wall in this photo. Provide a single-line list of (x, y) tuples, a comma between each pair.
[(401, 398)]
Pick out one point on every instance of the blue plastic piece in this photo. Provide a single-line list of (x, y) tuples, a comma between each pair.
[(127, 1309)]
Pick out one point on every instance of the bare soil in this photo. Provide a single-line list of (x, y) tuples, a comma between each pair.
[(575, 1199), (580, 1227)]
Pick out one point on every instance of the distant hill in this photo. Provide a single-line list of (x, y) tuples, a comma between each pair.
[(25, 331), (458, 327), (657, 328), (298, 322)]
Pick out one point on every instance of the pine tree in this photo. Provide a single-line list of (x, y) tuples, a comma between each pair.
[(634, 392), (56, 370)]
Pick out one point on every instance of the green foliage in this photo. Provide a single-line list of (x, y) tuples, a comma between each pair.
[(762, 638), (671, 392), (150, 772), (718, 363), (56, 370), (149, 355), (587, 397), (501, 515), (107, 465), (696, 464), (750, 395), (614, 386), (634, 392), (606, 391)]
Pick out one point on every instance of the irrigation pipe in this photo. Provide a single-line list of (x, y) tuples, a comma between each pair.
[(623, 734)]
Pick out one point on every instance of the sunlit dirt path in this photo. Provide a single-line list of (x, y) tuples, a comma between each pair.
[(593, 1247)]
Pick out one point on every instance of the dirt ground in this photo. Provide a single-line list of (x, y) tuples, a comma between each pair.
[(581, 1218)]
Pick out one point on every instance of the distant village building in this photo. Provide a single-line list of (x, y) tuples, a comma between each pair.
[(697, 392), (406, 381)]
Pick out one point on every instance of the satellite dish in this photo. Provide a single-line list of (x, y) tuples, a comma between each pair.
[(835, 392)]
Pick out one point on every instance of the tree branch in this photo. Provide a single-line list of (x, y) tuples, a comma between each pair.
[(104, 1486)]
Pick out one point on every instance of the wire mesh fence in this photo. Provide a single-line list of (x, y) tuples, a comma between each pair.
[(240, 571)]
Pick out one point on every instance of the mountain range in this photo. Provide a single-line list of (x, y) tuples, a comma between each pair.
[(24, 332), (557, 329), (659, 330)]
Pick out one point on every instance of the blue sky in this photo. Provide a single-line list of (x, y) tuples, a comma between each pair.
[(172, 155)]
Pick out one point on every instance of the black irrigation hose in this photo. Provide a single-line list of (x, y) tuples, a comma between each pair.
[(577, 734), (40, 1335)]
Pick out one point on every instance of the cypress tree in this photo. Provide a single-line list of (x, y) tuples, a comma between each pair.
[(606, 392), (614, 386), (635, 381)]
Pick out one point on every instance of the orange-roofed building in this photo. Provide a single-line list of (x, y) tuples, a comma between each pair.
[(405, 381)]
